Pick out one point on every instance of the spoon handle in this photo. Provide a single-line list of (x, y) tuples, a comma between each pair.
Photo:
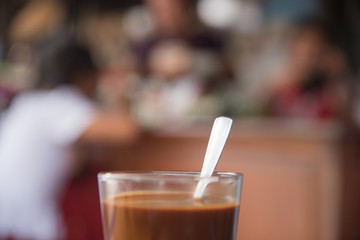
[(219, 134)]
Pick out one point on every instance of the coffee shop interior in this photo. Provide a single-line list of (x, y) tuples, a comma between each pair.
[(110, 85)]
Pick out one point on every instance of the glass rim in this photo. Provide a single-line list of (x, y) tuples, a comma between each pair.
[(168, 175)]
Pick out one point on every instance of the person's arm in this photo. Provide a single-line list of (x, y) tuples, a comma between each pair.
[(113, 128)]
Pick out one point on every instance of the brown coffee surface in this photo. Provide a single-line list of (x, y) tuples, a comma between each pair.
[(168, 216)]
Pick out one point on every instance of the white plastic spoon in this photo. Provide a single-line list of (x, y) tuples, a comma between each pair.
[(219, 134)]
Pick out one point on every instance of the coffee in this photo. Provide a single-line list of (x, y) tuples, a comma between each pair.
[(168, 216)]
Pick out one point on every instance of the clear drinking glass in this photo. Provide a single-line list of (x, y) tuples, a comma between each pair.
[(160, 206)]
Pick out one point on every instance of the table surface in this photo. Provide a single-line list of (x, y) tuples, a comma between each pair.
[(291, 172)]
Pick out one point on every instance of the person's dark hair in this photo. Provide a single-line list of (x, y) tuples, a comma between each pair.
[(60, 60), (319, 25)]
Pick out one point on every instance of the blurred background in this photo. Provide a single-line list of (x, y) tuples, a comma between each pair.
[(287, 72)]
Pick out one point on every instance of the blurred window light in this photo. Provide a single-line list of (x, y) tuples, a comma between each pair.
[(237, 15), (218, 13)]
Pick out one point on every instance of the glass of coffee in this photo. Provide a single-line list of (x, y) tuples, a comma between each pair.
[(161, 206)]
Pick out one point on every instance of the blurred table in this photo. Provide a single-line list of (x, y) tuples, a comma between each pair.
[(292, 178)]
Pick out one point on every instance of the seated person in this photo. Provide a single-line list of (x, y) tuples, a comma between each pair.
[(36, 137), (312, 82), (181, 63)]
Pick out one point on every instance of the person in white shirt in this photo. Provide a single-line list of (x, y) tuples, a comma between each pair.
[(36, 136)]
